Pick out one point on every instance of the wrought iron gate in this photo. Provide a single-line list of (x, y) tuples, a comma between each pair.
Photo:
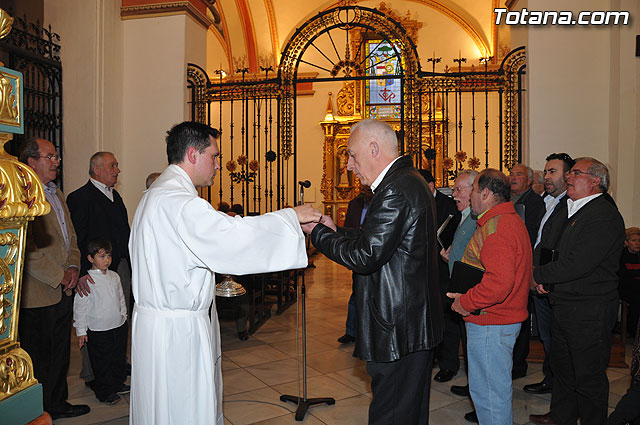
[(35, 51), (436, 115)]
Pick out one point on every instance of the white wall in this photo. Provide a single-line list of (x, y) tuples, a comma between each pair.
[(91, 55), (124, 87), (156, 51), (583, 95)]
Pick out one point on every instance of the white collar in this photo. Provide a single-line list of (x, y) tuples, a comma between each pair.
[(464, 214), (378, 179), (107, 191), (551, 200), (174, 178), (574, 206)]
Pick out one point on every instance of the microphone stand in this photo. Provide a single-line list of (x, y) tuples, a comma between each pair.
[(303, 402)]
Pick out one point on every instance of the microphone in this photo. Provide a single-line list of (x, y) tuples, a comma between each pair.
[(306, 183)]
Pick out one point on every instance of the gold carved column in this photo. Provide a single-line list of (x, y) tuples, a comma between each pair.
[(21, 199), (339, 185)]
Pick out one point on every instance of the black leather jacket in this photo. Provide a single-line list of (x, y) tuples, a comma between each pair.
[(394, 256)]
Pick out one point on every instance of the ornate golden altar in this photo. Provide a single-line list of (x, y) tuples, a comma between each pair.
[(21, 199)]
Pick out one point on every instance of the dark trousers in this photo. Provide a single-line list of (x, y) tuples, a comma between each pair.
[(628, 408), (108, 354), (454, 331), (242, 308), (581, 341), (521, 348), (401, 390), (45, 334), (543, 319), (350, 324)]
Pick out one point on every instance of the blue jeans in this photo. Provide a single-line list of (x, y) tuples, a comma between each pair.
[(490, 351)]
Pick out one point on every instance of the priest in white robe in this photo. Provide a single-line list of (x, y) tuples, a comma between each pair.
[(178, 241)]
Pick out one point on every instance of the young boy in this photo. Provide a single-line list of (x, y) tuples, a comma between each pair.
[(100, 322)]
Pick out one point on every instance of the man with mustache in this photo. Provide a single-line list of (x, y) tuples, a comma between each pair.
[(50, 273)]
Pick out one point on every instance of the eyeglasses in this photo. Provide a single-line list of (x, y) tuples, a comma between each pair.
[(459, 189), (50, 157), (578, 173)]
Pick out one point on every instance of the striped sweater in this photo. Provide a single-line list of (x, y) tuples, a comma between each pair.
[(501, 247)]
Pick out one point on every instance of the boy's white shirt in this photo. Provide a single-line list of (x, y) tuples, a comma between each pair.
[(104, 308)]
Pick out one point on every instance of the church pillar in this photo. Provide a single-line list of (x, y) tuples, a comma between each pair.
[(158, 41), (124, 79)]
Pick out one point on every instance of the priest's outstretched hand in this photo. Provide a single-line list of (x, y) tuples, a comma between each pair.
[(307, 214)]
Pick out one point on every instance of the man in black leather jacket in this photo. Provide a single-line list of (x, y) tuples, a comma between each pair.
[(394, 256)]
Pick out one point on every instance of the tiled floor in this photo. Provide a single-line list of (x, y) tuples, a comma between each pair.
[(258, 371)]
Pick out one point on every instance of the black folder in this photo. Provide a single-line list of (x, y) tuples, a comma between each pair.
[(464, 277), (446, 232), (548, 256)]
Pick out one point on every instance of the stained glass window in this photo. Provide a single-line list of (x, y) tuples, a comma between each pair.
[(383, 97)]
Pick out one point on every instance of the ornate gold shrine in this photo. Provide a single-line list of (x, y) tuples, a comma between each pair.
[(21, 199), (340, 185)]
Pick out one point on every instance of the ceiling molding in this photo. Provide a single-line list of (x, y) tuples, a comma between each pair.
[(132, 9)]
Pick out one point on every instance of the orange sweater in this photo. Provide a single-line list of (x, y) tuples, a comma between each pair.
[(500, 246)]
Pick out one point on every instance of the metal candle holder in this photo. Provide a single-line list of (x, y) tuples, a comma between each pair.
[(229, 288)]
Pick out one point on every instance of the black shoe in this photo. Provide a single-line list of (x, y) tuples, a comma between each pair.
[(111, 399), (518, 374), (125, 389), (444, 375), (545, 419), (471, 416), (461, 390), (70, 411), (539, 388), (346, 339), (243, 336)]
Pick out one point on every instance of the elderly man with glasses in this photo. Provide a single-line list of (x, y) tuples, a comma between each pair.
[(50, 274), (583, 244)]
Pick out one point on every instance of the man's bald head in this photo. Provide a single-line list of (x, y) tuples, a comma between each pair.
[(379, 131), (372, 146)]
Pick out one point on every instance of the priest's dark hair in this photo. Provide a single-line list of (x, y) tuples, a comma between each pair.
[(496, 182), (186, 134)]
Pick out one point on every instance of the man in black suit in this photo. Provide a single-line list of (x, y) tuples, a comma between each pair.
[(530, 206), (447, 352), (97, 211), (582, 284), (555, 187), (394, 255)]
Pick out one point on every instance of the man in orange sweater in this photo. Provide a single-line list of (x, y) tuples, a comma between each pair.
[(501, 247)]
